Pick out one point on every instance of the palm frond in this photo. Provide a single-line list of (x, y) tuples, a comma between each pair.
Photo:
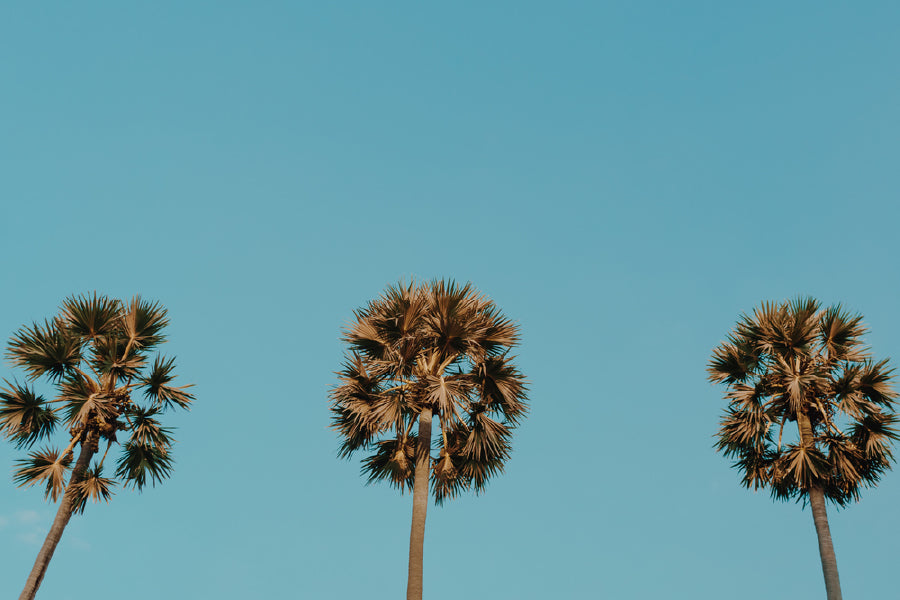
[(45, 466), (445, 393), (873, 435), (46, 349), (501, 387), (111, 355), (93, 486), (78, 391), (446, 481), (477, 472), (393, 461), (805, 464), (156, 385), (875, 382), (143, 323), (733, 362), (743, 431), (143, 463), (146, 429), (840, 334), (89, 316), (85, 401), (756, 466), (23, 416), (487, 439)]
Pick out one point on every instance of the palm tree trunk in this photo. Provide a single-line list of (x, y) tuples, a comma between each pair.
[(826, 548), (820, 519), (420, 507), (63, 514)]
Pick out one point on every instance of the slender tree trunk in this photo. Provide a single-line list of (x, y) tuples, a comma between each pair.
[(826, 548), (820, 519), (420, 507), (88, 448)]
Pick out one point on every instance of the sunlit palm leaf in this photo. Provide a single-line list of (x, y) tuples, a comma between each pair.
[(841, 333), (487, 439), (84, 400), (755, 465), (112, 356), (446, 481), (90, 316), (93, 486), (393, 461), (23, 416), (45, 349), (143, 323), (875, 382), (156, 385), (44, 466), (501, 387)]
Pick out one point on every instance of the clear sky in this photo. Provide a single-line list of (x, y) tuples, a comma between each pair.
[(623, 179)]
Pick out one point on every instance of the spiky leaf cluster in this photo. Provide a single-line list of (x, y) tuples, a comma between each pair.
[(438, 345), (96, 353), (807, 404)]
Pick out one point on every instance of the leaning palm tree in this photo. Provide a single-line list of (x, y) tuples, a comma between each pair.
[(96, 354), (795, 363), (420, 352)]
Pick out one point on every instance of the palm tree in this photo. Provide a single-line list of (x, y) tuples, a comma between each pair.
[(96, 354), (420, 352), (797, 363)]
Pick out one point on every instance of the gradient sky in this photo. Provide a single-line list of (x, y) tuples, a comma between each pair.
[(623, 179)]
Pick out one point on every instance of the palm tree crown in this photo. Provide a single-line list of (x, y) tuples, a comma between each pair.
[(96, 353), (441, 347), (795, 362)]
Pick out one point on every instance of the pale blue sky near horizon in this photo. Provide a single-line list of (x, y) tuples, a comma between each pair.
[(623, 179)]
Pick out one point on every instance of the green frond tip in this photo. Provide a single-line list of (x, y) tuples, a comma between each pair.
[(143, 463), (23, 416), (44, 466)]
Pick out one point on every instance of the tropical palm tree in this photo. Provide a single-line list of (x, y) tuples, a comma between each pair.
[(797, 363), (420, 352), (96, 354)]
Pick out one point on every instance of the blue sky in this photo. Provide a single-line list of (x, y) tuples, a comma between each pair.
[(622, 179)]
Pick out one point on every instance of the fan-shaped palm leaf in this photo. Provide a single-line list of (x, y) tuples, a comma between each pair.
[(44, 466), (89, 316), (392, 461), (143, 463), (143, 323), (46, 349), (156, 387), (23, 416), (112, 356), (146, 429), (93, 486)]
